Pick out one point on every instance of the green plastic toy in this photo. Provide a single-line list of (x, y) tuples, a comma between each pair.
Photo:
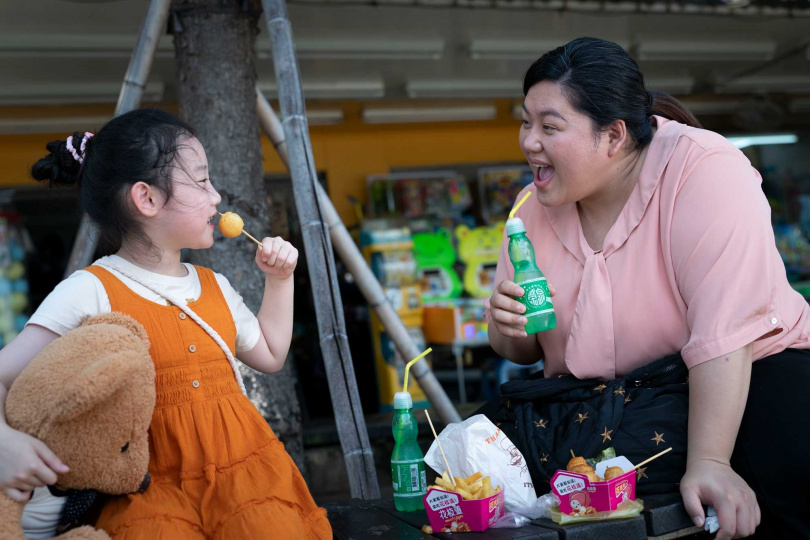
[(435, 258)]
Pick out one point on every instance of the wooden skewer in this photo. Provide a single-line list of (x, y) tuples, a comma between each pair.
[(452, 478), (246, 234), (572, 454), (658, 455)]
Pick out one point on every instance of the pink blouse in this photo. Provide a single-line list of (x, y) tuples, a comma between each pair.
[(690, 265)]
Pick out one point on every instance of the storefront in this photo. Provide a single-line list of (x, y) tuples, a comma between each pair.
[(426, 203)]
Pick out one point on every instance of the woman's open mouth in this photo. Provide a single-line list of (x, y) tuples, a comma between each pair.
[(543, 175)]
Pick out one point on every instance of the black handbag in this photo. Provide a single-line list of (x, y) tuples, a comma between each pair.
[(639, 415)]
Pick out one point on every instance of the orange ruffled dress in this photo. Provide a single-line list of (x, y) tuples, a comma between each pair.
[(218, 471)]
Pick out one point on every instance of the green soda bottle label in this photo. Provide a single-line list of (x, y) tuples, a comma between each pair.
[(536, 297), (409, 477)]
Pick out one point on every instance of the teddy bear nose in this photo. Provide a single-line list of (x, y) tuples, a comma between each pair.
[(145, 484)]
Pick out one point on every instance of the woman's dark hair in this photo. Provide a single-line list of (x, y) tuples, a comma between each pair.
[(602, 81), (138, 146)]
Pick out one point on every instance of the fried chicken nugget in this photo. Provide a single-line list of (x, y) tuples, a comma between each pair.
[(613, 472), (588, 471), (583, 469), (576, 462)]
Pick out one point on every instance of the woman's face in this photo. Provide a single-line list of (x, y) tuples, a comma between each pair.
[(568, 158)]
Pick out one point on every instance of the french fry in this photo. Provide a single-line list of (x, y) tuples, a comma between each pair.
[(473, 477), (476, 486), (466, 495), (486, 488), (445, 484)]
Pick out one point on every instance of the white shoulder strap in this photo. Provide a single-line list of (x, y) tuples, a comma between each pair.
[(188, 311)]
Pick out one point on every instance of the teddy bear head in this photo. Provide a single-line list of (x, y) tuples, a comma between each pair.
[(89, 395)]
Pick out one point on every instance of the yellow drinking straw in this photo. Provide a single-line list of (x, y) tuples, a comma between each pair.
[(412, 362), (518, 205)]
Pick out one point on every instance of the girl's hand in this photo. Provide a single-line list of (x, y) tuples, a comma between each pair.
[(25, 463), (506, 312), (277, 258), (717, 485)]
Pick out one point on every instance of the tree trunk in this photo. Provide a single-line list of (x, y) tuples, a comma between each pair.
[(214, 44)]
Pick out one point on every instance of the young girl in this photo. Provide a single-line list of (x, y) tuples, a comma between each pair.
[(217, 469)]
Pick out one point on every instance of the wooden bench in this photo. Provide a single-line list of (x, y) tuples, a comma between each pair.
[(663, 518)]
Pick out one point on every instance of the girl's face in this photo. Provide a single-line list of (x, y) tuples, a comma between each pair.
[(187, 218), (568, 158)]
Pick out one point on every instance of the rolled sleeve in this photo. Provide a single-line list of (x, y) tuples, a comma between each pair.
[(503, 271), (504, 268), (72, 301), (721, 239), (248, 330)]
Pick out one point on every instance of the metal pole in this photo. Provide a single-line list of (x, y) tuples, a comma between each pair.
[(320, 261), (140, 64), (364, 277)]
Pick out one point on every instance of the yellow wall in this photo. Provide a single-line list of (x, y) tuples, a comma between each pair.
[(347, 153)]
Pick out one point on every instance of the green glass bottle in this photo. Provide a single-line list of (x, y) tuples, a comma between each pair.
[(407, 460), (536, 296)]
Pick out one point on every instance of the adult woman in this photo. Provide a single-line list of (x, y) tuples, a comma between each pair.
[(657, 238)]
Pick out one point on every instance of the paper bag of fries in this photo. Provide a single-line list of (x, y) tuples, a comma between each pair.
[(476, 444)]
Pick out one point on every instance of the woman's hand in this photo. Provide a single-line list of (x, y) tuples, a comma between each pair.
[(25, 463), (277, 258), (717, 485), (506, 312)]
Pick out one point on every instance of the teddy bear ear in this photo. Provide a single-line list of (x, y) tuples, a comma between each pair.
[(95, 384), (119, 319)]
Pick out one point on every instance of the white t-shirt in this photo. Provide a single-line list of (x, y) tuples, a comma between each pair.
[(82, 295), (41, 514)]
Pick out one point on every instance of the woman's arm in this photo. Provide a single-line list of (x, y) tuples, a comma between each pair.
[(525, 350), (277, 259), (25, 462), (718, 390)]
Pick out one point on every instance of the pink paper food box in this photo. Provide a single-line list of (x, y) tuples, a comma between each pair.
[(579, 496), (449, 512)]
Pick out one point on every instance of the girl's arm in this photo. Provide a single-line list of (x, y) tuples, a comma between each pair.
[(718, 390), (277, 259), (25, 462)]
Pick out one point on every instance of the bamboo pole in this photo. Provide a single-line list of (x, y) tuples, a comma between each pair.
[(363, 276), (140, 64), (320, 261)]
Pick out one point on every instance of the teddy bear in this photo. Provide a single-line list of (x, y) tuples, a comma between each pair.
[(89, 396)]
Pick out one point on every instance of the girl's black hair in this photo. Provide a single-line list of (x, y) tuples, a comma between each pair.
[(603, 82), (138, 146)]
